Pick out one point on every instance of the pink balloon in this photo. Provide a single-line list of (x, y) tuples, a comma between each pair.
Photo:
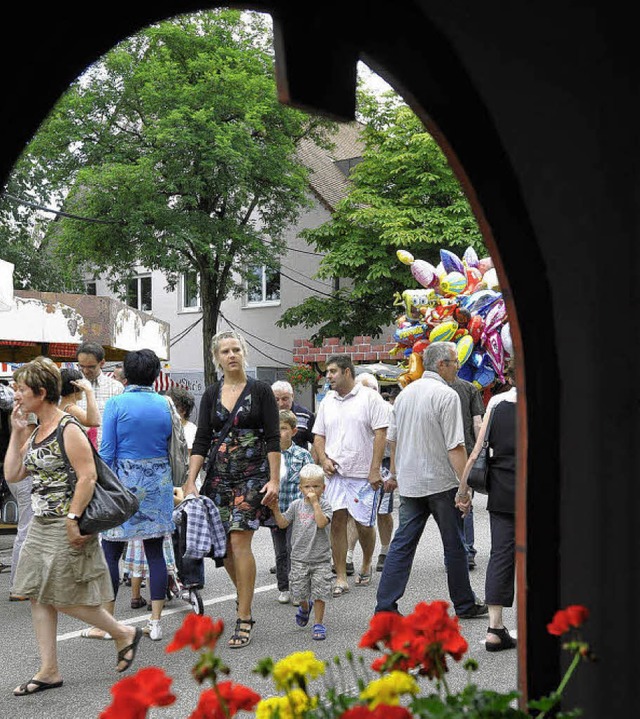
[(486, 263), (495, 352), (424, 272), (495, 317)]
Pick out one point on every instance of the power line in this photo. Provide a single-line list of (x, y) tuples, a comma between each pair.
[(60, 213), (284, 349), (183, 333), (320, 282), (313, 289), (295, 249), (259, 351)]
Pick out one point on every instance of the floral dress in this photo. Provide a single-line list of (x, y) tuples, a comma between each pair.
[(238, 472)]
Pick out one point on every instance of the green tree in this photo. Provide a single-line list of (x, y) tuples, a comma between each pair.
[(176, 141), (403, 195)]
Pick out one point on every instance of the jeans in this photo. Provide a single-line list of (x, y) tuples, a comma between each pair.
[(282, 548), (468, 535), (413, 515)]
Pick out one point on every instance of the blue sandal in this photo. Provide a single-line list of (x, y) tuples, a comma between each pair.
[(319, 632), (302, 616)]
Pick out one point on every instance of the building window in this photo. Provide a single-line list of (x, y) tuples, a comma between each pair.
[(263, 286), (139, 293), (90, 288), (190, 292)]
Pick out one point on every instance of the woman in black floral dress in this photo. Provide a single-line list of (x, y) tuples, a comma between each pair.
[(243, 467)]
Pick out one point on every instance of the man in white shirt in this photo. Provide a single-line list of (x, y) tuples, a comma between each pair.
[(90, 359), (428, 455), (349, 438)]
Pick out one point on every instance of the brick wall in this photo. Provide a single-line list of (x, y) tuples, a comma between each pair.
[(363, 349)]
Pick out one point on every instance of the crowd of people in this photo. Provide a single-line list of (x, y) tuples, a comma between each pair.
[(321, 483)]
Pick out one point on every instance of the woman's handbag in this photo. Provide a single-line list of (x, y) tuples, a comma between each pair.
[(178, 449), (112, 503), (478, 478)]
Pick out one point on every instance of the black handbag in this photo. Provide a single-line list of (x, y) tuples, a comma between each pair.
[(112, 503), (478, 478)]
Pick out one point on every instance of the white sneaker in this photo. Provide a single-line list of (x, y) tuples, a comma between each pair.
[(284, 597), (154, 630)]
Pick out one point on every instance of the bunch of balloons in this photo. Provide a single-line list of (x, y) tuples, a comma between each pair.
[(460, 301)]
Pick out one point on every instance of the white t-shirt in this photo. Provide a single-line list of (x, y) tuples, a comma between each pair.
[(189, 433), (348, 426)]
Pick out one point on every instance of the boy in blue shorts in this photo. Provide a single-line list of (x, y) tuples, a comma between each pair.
[(310, 578)]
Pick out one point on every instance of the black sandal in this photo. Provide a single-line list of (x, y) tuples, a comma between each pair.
[(241, 635), (133, 648), (506, 640)]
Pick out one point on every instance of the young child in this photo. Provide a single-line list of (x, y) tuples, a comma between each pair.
[(293, 460), (310, 577)]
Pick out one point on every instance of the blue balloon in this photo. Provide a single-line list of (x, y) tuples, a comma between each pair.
[(466, 371)]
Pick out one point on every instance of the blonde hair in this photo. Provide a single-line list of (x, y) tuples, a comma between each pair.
[(228, 335), (288, 417), (312, 471), (41, 373)]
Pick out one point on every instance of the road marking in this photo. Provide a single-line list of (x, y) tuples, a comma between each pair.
[(177, 610)]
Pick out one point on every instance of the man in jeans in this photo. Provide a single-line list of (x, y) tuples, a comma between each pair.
[(428, 456)]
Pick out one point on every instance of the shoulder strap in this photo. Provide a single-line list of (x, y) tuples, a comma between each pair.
[(227, 425)]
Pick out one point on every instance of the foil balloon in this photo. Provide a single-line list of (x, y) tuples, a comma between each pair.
[(461, 316), (414, 299), (495, 352), (408, 335), (424, 272), (484, 376), (414, 370), (470, 257), (495, 317), (475, 327), (480, 302), (490, 277), (486, 263), (440, 270), (443, 332), (464, 348), (453, 284), (476, 359), (467, 371), (420, 345), (505, 334), (451, 262), (474, 278)]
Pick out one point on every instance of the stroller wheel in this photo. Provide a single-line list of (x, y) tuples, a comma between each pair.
[(195, 600)]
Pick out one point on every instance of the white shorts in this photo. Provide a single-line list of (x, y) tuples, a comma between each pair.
[(357, 496)]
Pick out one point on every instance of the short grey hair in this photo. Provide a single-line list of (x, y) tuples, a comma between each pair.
[(282, 386), (228, 335), (436, 352), (368, 380)]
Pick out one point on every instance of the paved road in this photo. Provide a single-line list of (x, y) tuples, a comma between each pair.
[(88, 666)]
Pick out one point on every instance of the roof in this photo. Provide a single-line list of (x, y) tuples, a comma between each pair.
[(327, 180)]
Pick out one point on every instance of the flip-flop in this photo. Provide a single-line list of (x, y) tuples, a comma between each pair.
[(23, 689), (339, 590), (319, 632), (133, 648), (86, 634), (363, 580), (302, 617)]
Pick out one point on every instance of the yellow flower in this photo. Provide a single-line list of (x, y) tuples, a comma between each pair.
[(291, 706), (388, 689), (295, 668)]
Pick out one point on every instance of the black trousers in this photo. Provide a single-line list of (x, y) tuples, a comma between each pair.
[(501, 570)]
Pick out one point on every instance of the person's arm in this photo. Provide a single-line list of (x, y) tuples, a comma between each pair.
[(278, 516), (78, 450), (477, 424), (14, 469), (474, 454), (379, 442), (321, 518), (325, 462), (109, 442), (391, 483), (90, 418), (271, 425), (202, 442)]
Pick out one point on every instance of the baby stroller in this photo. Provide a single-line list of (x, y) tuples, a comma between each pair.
[(199, 533)]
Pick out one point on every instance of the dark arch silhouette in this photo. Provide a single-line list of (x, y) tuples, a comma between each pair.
[(536, 107)]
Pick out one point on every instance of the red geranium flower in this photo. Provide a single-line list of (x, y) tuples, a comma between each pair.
[(224, 701), (573, 616), (197, 631), (382, 627), (382, 711), (134, 695)]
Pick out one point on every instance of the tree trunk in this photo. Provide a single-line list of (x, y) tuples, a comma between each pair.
[(210, 302)]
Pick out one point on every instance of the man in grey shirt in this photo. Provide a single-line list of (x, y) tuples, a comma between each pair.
[(428, 455)]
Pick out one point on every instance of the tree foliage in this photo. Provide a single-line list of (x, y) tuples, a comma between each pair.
[(176, 141), (403, 195)]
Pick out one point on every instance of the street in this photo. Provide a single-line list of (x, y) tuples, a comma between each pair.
[(88, 666)]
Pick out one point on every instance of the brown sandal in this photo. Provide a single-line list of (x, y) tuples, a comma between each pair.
[(241, 635)]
